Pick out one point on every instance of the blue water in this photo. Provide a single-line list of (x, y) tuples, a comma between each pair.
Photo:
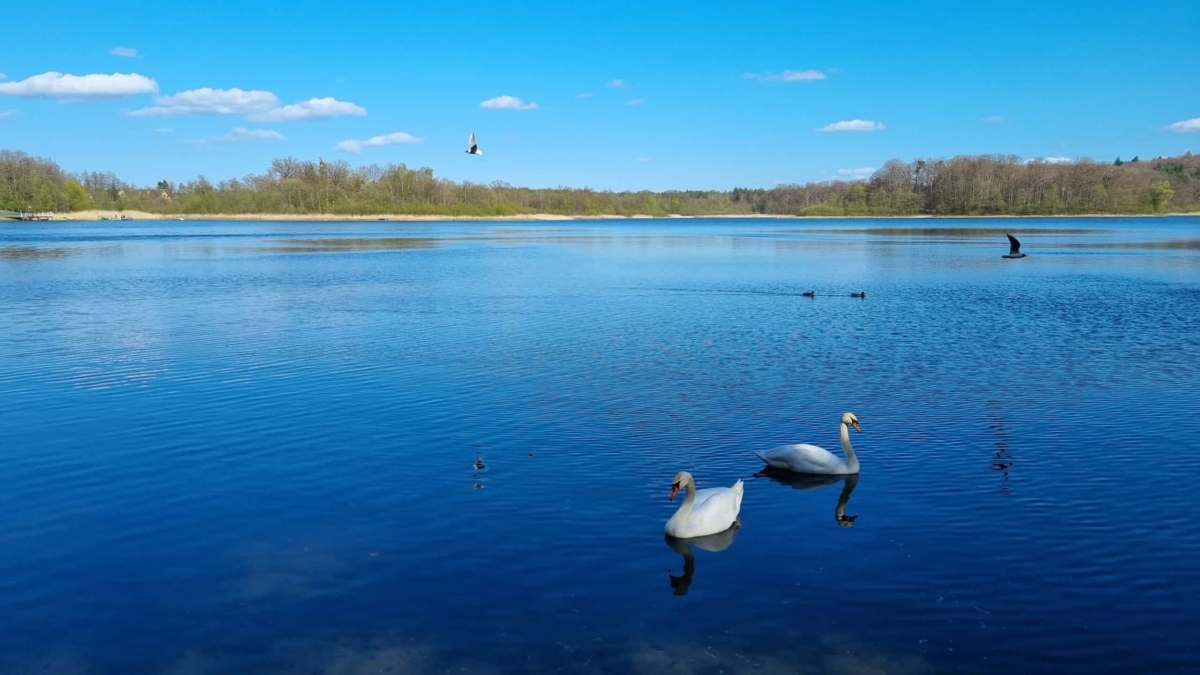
[(251, 447)]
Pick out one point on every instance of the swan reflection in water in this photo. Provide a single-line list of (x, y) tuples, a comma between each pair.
[(713, 543), (801, 481)]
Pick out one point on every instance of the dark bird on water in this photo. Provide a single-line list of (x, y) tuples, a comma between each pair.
[(1014, 248), (809, 294), (473, 147), (859, 295)]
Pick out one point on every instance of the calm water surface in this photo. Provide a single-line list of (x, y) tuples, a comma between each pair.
[(251, 447)]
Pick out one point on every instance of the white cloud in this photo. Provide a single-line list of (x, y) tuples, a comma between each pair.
[(256, 105), (11, 112), (855, 174), (239, 134), (586, 94), (208, 101), (787, 76), (3, 76), (852, 125), (994, 118), (397, 138), (164, 130), (126, 52), (643, 159), (1054, 160), (80, 87), (1186, 126), (617, 84), (312, 109), (636, 101), (507, 103)]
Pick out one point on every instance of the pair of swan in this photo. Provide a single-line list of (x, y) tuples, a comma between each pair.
[(713, 510)]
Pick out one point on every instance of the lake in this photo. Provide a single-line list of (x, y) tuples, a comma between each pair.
[(366, 447)]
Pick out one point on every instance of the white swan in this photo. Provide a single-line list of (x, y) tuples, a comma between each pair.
[(703, 512), (805, 458)]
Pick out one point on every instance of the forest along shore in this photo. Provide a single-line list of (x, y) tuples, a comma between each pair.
[(92, 216), (293, 189)]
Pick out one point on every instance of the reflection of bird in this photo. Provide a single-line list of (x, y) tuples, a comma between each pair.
[(798, 481), (713, 543), (473, 147), (703, 512), (809, 294), (805, 458), (863, 294), (1003, 460), (810, 481), (1014, 248), (839, 513)]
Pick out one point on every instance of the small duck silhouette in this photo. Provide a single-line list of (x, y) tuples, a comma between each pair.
[(809, 294), (863, 294), (479, 465)]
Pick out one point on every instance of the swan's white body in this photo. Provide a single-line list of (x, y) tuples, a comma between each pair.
[(805, 458), (704, 512)]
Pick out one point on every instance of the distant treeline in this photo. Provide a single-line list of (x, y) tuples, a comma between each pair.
[(960, 186)]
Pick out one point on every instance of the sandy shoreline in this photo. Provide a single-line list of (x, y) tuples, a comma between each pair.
[(400, 217)]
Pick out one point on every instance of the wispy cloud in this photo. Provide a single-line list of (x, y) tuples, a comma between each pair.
[(164, 130), (11, 112), (856, 174), (586, 94), (994, 118), (787, 76), (312, 109), (636, 101), (256, 105), (852, 125), (1049, 160), (618, 84), (1186, 126), (507, 103), (397, 138), (209, 101), (238, 135), (126, 52), (643, 159), (3, 76), (67, 87)]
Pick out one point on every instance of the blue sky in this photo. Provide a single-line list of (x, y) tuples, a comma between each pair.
[(721, 93)]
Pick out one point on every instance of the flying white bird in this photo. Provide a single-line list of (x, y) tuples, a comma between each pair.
[(474, 147)]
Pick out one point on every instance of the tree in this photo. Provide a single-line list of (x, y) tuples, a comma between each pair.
[(1161, 196), (1118, 162), (1134, 160), (77, 198)]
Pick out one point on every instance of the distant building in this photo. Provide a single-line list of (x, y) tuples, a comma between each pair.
[(148, 193)]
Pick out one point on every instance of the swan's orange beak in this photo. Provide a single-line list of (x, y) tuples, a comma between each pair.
[(856, 427), (674, 491)]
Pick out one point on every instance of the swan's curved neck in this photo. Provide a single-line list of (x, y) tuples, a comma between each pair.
[(851, 460), (689, 498)]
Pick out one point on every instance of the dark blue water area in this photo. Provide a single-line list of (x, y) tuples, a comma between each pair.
[(447, 447)]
